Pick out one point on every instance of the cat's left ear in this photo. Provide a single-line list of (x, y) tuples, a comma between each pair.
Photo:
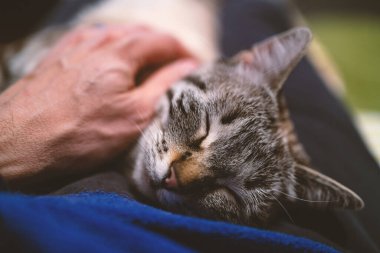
[(317, 190), (270, 62)]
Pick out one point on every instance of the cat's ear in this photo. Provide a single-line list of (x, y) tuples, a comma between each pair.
[(317, 190), (270, 62)]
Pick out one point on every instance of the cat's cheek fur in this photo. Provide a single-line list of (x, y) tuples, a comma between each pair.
[(140, 177), (144, 159)]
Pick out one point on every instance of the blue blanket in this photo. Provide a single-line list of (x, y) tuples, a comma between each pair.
[(101, 222)]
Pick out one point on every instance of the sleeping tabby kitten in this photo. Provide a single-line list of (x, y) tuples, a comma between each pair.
[(222, 145)]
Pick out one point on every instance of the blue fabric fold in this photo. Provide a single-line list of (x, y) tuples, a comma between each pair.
[(104, 222)]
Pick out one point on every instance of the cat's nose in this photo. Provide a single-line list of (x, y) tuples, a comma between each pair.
[(170, 180)]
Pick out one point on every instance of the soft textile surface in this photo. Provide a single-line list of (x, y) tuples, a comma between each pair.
[(100, 222)]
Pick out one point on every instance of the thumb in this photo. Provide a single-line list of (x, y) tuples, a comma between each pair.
[(157, 84)]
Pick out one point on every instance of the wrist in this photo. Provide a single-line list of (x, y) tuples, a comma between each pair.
[(23, 141)]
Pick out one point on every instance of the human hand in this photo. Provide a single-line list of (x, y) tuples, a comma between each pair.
[(81, 106)]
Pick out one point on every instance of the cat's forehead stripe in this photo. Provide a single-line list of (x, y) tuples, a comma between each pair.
[(196, 81), (169, 95), (180, 103)]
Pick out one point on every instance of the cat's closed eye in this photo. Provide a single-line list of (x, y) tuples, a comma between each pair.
[(230, 117), (196, 144)]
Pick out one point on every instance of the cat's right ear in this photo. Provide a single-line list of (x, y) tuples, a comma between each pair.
[(318, 190), (270, 62)]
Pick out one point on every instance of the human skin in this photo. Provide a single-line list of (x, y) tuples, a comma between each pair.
[(81, 106)]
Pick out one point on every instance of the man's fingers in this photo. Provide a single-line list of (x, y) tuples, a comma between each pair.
[(151, 49), (85, 39), (88, 33), (101, 35), (157, 84)]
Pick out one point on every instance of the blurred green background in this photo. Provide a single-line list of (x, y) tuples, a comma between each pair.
[(349, 31), (353, 41)]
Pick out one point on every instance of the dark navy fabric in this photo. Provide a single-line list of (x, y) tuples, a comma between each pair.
[(104, 222)]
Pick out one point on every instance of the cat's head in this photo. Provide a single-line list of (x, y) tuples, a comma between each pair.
[(222, 146)]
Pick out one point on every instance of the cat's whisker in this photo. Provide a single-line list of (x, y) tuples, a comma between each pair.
[(142, 145), (305, 200), (136, 125), (149, 130), (283, 207), (139, 128), (142, 132)]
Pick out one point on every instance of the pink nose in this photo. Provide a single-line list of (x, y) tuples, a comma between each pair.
[(170, 180)]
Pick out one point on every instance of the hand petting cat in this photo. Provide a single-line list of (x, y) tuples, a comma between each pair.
[(83, 104)]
